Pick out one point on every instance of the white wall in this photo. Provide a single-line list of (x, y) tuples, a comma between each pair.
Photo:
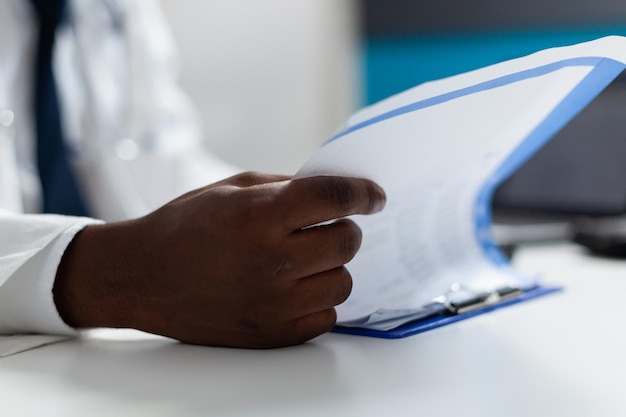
[(271, 78)]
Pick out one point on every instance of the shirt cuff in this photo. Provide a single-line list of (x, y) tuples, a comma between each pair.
[(26, 299)]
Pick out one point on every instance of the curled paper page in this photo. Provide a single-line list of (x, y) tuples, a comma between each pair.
[(439, 150)]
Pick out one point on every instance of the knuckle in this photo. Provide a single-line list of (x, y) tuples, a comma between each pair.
[(327, 319), (247, 178), (283, 264), (339, 192)]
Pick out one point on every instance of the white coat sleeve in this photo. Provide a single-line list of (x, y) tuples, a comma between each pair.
[(31, 247), (159, 153)]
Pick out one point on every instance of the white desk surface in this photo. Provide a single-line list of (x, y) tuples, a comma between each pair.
[(561, 355)]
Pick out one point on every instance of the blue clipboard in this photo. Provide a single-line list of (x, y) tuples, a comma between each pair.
[(424, 325), (603, 71)]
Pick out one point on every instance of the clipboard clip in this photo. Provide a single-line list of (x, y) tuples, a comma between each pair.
[(460, 299)]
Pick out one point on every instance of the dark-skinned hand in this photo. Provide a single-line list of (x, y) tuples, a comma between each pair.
[(251, 261)]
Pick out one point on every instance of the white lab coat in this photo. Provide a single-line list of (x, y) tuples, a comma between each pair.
[(132, 132)]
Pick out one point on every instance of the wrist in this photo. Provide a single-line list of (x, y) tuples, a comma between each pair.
[(90, 286)]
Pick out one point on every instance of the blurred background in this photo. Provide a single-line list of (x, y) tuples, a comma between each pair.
[(271, 78), (274, 78), (411, 41)]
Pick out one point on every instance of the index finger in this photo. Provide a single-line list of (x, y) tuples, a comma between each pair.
[(309, 201)]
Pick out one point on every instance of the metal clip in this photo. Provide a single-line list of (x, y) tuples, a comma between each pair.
[(459, 299)]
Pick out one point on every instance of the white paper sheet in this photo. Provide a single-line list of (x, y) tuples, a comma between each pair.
[(438, 150)]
